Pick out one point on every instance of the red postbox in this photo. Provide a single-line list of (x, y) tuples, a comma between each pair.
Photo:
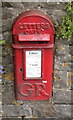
[(33, 42)]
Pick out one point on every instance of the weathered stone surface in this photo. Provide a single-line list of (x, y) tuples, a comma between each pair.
[(62, 49), (58, 65), (6, 4), (72, 58), (15, 12), (56, 14), (8, 76), (54, 5), (44, 110), (71, 49), (64, 110), (72, 80), (7, 25), (55, 111), (8, 95), (13, 110), (12, 118), (6, 13), (0, 51), (7, 59), (63, 58), (62, 79), (16, 5), (7, 37), (1, 37), (62, 96), (38, 118), (32, 111)]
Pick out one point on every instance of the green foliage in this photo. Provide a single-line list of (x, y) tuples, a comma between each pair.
[(2, 42), (65, 31)]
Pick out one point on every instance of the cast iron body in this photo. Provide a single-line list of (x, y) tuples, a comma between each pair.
[(33, 42)]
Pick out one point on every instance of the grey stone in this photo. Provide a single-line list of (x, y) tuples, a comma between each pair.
[(0, 51), (64, 110), (62, 41), (7, 25), (62, 49), (6, 4), (1, 25), (16, 5), (10, 110), (72, 81), (62, 96), (12, 118), (63, 58), (65, 65), (54, 5), (45, 110), (7, 60), (71, 58), (13, 110), (71, 49), (15, 12), (56, 14), (8, 96), (30, 4), (6, 13), (7, 36), (1, 37), (62, 79)]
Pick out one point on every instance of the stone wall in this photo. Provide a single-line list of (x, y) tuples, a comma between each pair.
[(60, 105)]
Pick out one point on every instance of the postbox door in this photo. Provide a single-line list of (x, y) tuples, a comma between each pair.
[(33, 64), (37, 74)]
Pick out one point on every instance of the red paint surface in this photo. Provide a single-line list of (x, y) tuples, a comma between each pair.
[(32, 30)]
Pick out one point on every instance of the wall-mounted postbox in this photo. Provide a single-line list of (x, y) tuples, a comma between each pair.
[(33, 42)]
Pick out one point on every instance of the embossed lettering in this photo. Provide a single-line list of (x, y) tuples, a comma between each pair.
[(36, 89), (40, 89), (26, 91), (34, 28)]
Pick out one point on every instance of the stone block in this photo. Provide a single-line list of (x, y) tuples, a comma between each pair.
[(65, 65), (62, 49), (13, 110), (7, 25), (8, 95), (12, 118), (0, 51), (71, 58), (7, 36), (71, 50), (6, 13), (17, 5), (64, 110), (7, 59), (62, 96), (1, 37), (62, 79), (62, 58), (6, 4), (45, 110), (62, 41), (15, 12)]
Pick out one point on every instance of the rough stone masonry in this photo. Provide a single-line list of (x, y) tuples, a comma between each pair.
[(60, 105)]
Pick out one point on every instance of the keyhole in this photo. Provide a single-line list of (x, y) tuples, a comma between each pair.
[(20, 69)]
